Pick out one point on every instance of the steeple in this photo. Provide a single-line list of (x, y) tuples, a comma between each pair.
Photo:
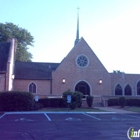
[(77, 32)]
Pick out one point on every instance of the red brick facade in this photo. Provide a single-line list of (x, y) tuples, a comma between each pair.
[(123, 80), (42, 86), (73, 74)]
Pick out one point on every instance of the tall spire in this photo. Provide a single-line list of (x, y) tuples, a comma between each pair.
[(77, 32)]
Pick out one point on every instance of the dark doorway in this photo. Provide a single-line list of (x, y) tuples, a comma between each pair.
[(83, 87)]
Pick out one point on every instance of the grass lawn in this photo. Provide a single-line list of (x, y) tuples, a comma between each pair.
[(134, 109), (69, 110)]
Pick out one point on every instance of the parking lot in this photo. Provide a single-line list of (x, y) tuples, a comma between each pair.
[(66, 126)]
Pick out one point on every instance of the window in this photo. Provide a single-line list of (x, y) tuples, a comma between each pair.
[(82, 61), (127, 90), (118, 90), (32, 88)]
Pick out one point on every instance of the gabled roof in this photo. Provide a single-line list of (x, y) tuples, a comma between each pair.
[(4, 54), (34, 70), (82, 48)]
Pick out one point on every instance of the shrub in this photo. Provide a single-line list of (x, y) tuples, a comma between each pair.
[(76, 99), (128, 102), (122, 101), (37, 106), (45, 102), (113, 102), (62, 103), (89, 100), (55, 102), (52, 102), (16, 101), (133, 102)]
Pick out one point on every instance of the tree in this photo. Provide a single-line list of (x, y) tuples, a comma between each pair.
[(24, 39)]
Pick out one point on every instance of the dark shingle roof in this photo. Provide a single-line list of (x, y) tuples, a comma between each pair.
[(34, 70), (4, 53)]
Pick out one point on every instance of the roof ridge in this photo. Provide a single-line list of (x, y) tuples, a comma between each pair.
[(38, 62)]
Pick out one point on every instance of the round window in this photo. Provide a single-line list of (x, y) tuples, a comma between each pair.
[(82, 61)]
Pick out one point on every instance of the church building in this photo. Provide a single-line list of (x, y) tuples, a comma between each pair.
[(81, 70)]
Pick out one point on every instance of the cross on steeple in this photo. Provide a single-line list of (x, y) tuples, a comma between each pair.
[(77, 32)]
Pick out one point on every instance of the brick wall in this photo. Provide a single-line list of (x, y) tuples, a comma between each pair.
[(74, 74), (123, 80), (90, 74), (42, 86)]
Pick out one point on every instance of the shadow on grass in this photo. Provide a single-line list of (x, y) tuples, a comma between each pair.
[(71, 110), (134, 109)]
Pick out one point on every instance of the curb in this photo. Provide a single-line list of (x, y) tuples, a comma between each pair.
[(59, 112)]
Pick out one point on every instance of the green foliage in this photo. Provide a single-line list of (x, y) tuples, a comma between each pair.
[(37, 106), (16, 101), (22, 54), (122, 101), (129, 102), (56, 102), (89, 100), (76, 99), (133, 102), (113, 102), (24, 39), (52, 102), (45, 102)]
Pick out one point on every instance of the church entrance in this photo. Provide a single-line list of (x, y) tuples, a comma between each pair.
[(83, 87)]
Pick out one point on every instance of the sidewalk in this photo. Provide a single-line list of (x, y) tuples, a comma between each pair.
[(111, 109)]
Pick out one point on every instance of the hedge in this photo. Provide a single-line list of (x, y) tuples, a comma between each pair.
[(133, 102), (129, 102), (52, 102), (113, 102), (16, 101), (76, 100), (122, 101)]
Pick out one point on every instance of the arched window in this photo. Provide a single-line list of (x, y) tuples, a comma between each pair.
[(32, 88), (118, 90), (127, 90), (138, 88)]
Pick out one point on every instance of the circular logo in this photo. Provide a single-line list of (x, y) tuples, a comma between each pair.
[(130, 133)]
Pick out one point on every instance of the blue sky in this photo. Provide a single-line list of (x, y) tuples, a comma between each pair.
[(110, 27)]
